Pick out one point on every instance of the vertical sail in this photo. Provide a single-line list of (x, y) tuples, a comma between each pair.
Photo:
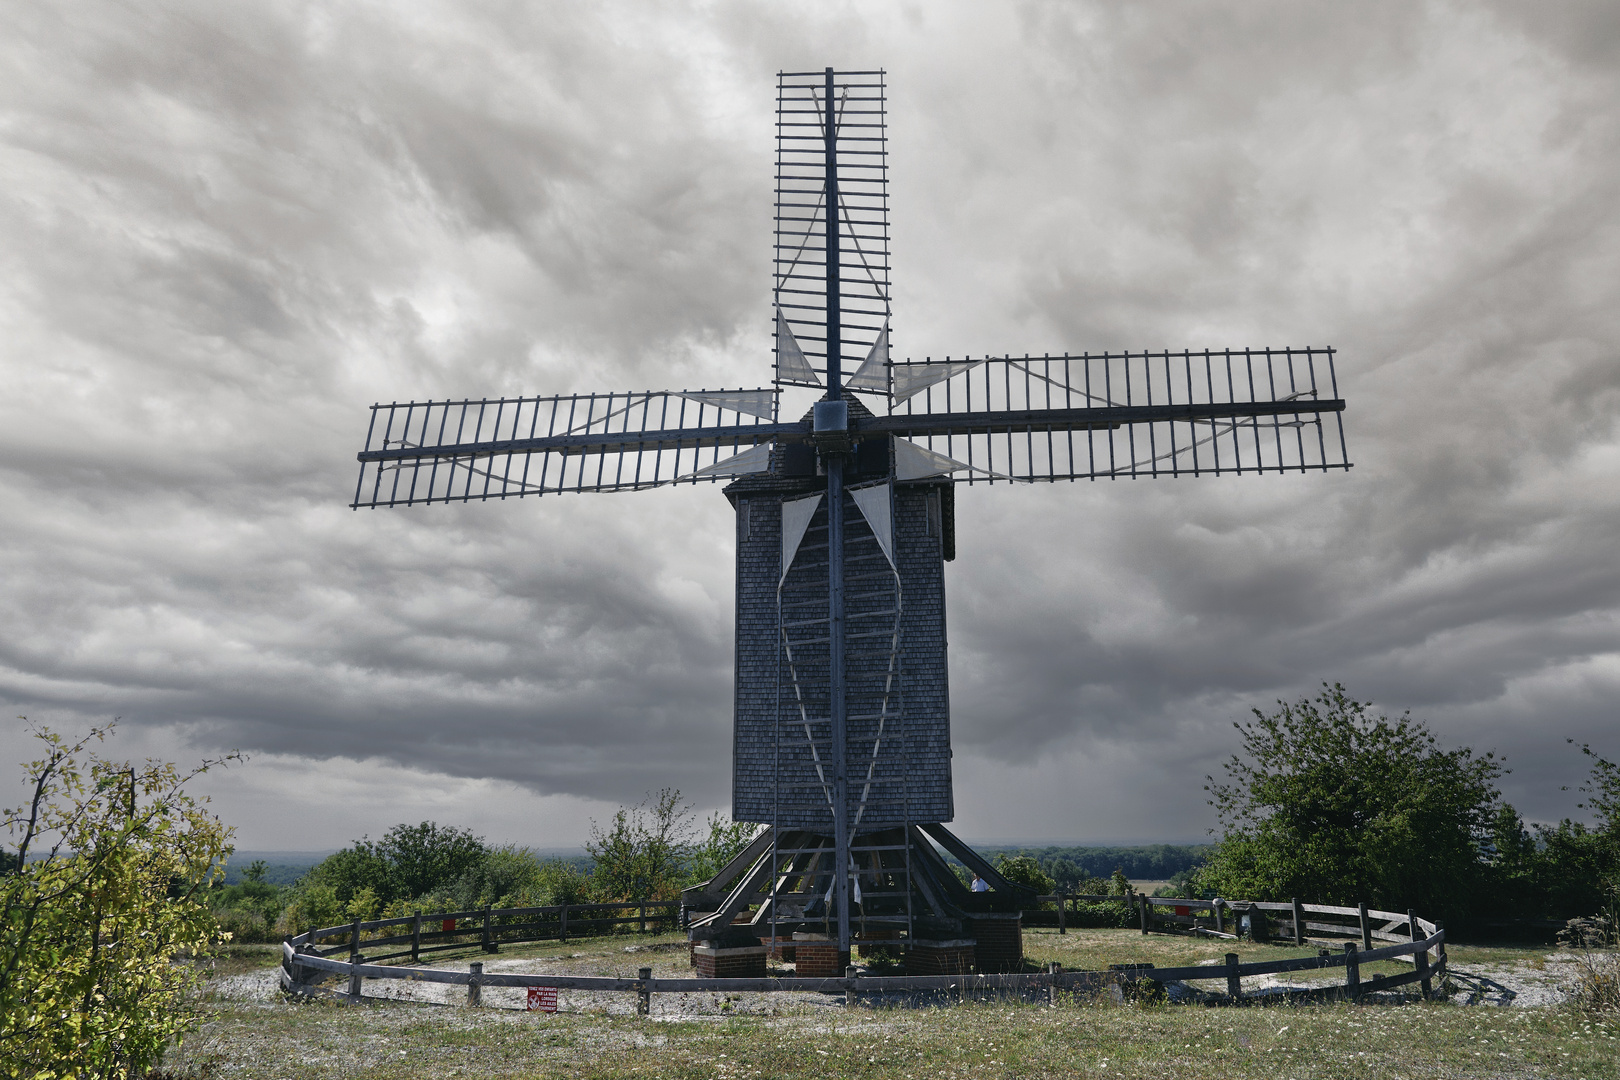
[(873, 374), (796, 515), (791, 365), (877, 506)]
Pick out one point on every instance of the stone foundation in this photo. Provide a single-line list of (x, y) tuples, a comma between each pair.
[(742, 963), (940, 957), (1000, 938), (816, 956)]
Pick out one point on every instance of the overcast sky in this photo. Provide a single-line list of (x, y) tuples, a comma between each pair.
[(226, 229)]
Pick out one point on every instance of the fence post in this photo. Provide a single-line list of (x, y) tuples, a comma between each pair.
[(475, 983), (1440, 950), (644, 991), (416, 938), (1063, 911), (1299, 922), (562, 924), (1147, 914), (849, 987), (1053, 969), (1420, 959), (1366, 927), (1234, 981), (488, 942), (354, 941), (1352, 971), (1220, 915)]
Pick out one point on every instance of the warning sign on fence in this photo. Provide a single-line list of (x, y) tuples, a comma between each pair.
[(543, 999)]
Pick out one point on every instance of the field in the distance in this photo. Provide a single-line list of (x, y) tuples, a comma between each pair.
[(269, 1037)]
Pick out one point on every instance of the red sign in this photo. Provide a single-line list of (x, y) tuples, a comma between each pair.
[(449, 925), (543, 998), (1183, 909)]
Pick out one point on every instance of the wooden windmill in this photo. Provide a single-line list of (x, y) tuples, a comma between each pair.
[(845, 519)]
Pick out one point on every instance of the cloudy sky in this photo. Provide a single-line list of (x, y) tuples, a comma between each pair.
[(226, 229)]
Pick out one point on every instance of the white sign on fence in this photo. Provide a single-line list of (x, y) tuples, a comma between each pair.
[(543, 999)]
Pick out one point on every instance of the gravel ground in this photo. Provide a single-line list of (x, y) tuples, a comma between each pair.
[(1507, 986)]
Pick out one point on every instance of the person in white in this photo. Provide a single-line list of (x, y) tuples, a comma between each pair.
[(979, 884)]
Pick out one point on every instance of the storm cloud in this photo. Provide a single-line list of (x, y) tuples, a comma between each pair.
[(228, 229)]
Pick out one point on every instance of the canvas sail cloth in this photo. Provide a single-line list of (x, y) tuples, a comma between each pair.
[(873, 374), (914, 462), (753, 460), (911, 379), (796, 515), (791, 364), (761, 403), (877, 506)]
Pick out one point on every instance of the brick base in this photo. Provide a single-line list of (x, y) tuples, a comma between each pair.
[(743, 963), (816, 957), (1000, 942), (940, 957)]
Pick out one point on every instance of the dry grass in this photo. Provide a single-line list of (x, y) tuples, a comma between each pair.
[(1096, 1038)]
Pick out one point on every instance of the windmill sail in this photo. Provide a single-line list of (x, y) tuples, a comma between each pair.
[(1117, 415), (457, 451), (860, 220)]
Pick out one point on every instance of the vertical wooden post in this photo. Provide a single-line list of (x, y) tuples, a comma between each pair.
[(1366, 927), (562, 924), (644, 991), (1147, 915), (1053, 969), (1421, 958), (1220, 916), (1299, 922), (1440, 950), (1234, 981), (475, 983), (1352, 971), (849, 987), (354, 959), (416, 938), (1063, 911)]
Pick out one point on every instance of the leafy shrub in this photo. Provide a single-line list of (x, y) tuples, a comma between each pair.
[(1331, 802), (113, 862)]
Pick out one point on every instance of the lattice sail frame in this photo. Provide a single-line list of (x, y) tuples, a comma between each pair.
[(1118, 415), (498, 448), (862, 292)]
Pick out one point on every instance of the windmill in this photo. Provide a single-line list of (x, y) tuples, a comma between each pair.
[(845, 517)]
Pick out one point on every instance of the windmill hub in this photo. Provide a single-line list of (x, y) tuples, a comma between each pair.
[(845, 519)]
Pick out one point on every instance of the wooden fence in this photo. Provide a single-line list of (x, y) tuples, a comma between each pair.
[(306, 963), (487, 928)]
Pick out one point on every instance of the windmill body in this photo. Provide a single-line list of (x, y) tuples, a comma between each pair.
[(845, 517)]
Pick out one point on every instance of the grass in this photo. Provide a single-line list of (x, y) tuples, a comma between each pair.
[(1094, 1038)]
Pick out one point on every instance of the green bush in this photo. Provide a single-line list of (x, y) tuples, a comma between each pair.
[(107, 889), (1334, 804)]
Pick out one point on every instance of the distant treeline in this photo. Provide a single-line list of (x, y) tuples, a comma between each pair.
[(1073, 866)]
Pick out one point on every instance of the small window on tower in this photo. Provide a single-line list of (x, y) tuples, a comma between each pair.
[(745, 523)]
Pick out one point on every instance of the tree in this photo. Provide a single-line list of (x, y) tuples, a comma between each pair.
[(425, 857), (640, 855), (726, 840), (1336, 805), (112, 863), (1024, 870)]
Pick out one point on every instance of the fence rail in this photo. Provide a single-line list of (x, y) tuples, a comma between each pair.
[(305, 963)]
